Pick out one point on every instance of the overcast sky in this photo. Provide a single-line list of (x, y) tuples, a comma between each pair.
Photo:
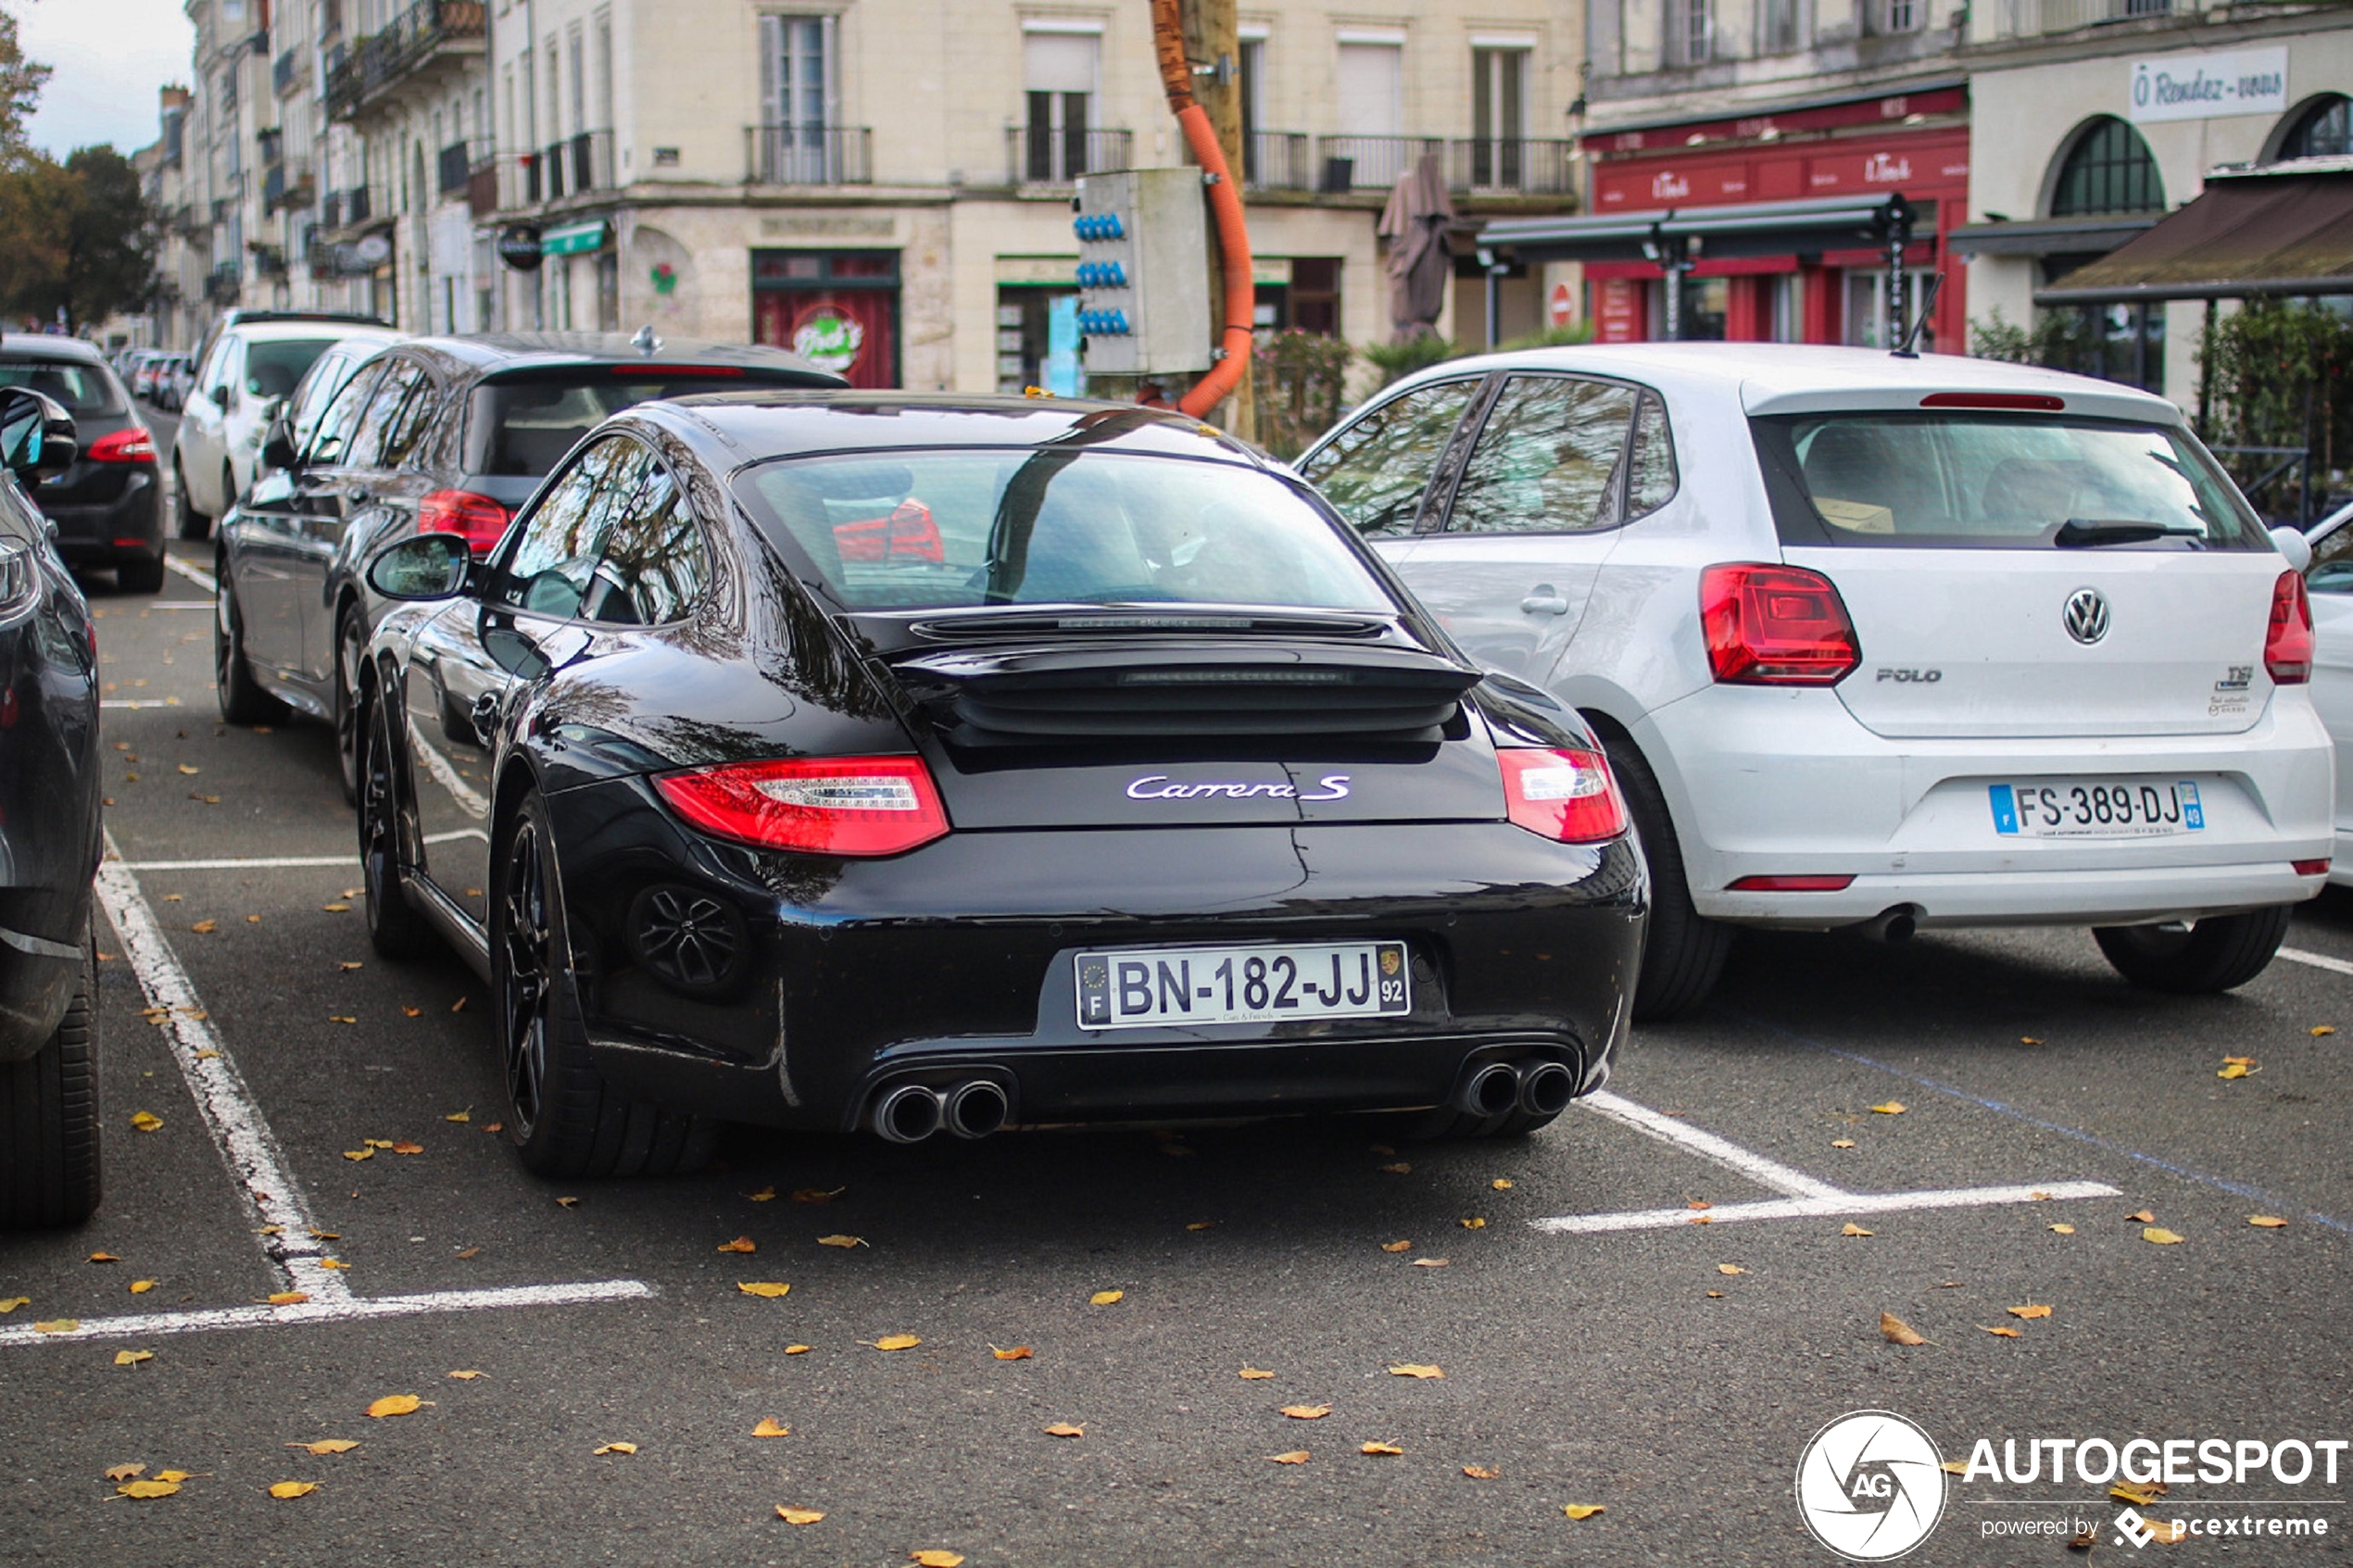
[(108, 59)]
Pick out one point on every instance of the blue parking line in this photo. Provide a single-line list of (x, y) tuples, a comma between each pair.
[(2239, 1190)]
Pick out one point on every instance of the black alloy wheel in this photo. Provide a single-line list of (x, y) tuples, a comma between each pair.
[(242, 700), (395, 929), (526, 949), (351, 654), (2219, 953)]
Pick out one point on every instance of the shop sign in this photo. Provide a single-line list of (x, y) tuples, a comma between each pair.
[(1561, 307), (574, 239), (827, 338), (2208, 86), (519, 247)]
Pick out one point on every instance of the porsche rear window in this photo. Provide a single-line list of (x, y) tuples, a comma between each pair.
[(1960, 480), (930, 530), (521, 426)]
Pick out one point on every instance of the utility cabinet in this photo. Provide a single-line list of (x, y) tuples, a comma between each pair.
[(1143, 271)]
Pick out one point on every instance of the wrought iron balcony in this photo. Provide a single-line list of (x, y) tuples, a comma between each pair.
[(1043, 156), (1527, 166), (2026, 18), (1368, 163), (426, 32), (285, 184), (1278, 160), (809, 154), (286, 73)]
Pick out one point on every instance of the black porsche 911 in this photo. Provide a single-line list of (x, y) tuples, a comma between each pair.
[(931, 764)]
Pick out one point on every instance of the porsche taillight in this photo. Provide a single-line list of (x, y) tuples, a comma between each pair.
[(817, 805), (1566, 794)]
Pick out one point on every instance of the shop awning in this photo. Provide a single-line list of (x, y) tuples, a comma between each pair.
[(574, 239), (1742, 228), (2276, 229), (2050, 236)]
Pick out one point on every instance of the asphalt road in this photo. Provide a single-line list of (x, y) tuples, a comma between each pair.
[(1621, 1368)]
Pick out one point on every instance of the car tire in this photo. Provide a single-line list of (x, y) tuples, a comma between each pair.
[(396, 929), (49, 1139), (563, 1118), (2219, 953), (351, 652), (242, 700), (188, 522), (1684, 951), (140, 574)]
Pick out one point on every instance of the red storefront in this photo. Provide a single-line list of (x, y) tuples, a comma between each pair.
[(1916, 145)]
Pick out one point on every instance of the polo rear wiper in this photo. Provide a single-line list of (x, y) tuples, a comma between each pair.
[(2081, 531)]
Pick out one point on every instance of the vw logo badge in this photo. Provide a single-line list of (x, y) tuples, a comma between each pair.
[(2086, 616), (1871, 1485)]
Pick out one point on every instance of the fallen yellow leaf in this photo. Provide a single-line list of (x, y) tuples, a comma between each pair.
[(934, 1558), (1716, 1296), (1841, 1143), (186, 768), (1851, 1228), (1415, 1368), (617, 1448), (148, 1488), (408, 1012), (1954, 1467), (816, 1195), (1699, 1203), (133, 1358), (799, 1515), (771, 1288), (2268, 1221), (289, 1299), (347, 965), (206, 927), (1018, 1353), (1893, 1107), (1106, 1297), (2063, 1230), (1899, 1332), (1502, 1184), (2005, 1332), (1473, 1224), (358, 1154), (173, 1475), (1379, 1448), (1429, 1263), (1730, 1269), (2234, 1070), (1064, 1429), (1297, 1455), (1251, 1373), (1397, 1246), (126, 1472), (57, 1325), (769, 1427), (2319, 1029), (332, 1264), (1481, 1472), (2029, 1040), (2030, 1310), (896, 1342), (336, 908), (1202, 1225), (560, 1202), (1400, 1169), (394, 1404), (10, 1304), (1703, 1218), (741, 1243), (796, 1349), (103, 1258), (326, 1446), (146, 1121), (405, 1147), (2141, 1494), (2143, 1218), (284, 1489), (1307, 1412), (841, 1241), (2158, 1235), (466, 1376), (1581, 1510), (765, 1195), (465, 1115)]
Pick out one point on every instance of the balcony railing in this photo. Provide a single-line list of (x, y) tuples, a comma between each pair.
[(285, 72), (809, 154), (2024, 19), (414, 38), (1510, 166), (555, 172), (1368, 163), (1278, 160), (482, 186), (285, 184), (220, 284), (1040, 155), (453, 165)]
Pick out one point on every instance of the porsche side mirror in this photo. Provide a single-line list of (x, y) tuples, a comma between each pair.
[(422, 567)]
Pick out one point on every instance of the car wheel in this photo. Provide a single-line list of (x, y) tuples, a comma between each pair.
[(242, 700), (352, 651), (141, 575), (565, 1119), (2218, 953), (1684, 952), (394, 928), (188, 522), (49, 1169)]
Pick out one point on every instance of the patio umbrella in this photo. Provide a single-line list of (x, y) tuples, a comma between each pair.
[(1415, 224)]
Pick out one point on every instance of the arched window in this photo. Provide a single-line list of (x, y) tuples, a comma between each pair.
[(2108, 169), (2325, 129)]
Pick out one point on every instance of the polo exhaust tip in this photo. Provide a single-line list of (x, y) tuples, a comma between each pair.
[(909, 1114), (977, 1108), (1490, 1089), (1545, 1088)]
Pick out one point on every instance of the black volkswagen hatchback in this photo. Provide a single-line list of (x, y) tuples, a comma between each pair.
[(936, 764)]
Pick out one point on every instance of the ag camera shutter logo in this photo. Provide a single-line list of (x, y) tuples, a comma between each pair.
[(1871, 1485)]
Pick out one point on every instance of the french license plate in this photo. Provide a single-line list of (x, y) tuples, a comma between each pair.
[(1131, 988), (2098, 809)]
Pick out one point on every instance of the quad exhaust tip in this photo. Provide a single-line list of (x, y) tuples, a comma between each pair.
[(912, 1113), (1538, 1086), (975, 1109), (909, 1114)]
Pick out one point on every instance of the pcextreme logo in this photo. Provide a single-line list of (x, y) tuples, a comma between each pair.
[(1871, 1485)]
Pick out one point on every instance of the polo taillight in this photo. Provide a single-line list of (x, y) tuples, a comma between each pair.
[(1775, 626), (480, 519), (2287, 643), (816, 804), (130, 445), (1565, 795)]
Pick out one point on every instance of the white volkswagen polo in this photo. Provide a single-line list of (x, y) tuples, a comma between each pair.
[(1877, 642)]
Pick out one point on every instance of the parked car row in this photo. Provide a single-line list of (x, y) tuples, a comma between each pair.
[(155, 376), (107, 505)]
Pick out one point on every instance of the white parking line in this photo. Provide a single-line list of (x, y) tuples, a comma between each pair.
[(195, 574), (270, 862), (142, 702), (2318, 961), (1806, 1198), (259, 1168)]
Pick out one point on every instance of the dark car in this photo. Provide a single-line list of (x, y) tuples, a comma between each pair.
[(918, 763), (49, 842), (436, 432), (108, 505)]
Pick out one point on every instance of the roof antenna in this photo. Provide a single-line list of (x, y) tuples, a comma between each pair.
[(1928, 306), (645, 342)]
